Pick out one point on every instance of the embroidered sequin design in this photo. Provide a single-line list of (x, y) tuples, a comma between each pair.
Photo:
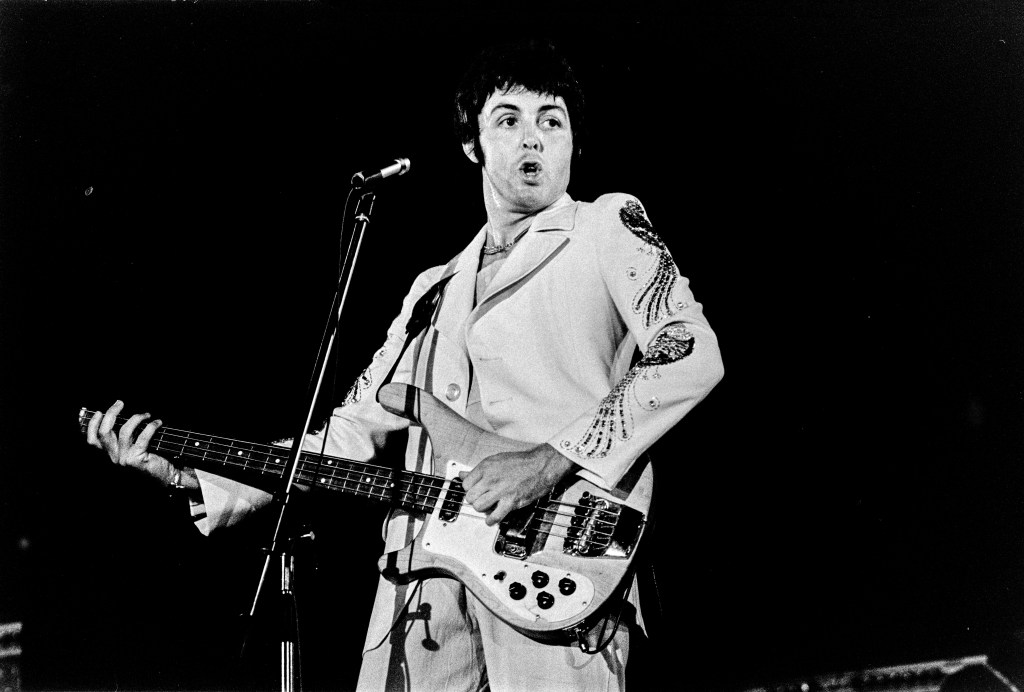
[(614, 419), (364, 381), (654, 300), (358, 388)]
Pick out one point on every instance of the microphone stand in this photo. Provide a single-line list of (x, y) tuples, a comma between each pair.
[(280, 547)]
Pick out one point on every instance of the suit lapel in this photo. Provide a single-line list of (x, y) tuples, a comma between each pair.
[(533, 250), (458, 298), (536, 247)]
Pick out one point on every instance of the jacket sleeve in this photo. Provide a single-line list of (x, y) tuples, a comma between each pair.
[(355, 430), (681, 361)]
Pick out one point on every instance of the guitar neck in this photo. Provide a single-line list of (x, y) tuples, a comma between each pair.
[(259, 463)]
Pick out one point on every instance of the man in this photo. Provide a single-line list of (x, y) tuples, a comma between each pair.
[(531, 338)]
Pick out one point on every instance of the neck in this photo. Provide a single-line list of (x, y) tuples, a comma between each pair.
[(500, 232), (503, 222)]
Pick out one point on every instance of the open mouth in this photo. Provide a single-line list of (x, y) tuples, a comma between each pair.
[(531, 169)]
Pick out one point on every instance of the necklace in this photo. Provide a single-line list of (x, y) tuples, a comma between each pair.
[(495, 249)]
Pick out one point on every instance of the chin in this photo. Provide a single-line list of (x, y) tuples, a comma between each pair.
[(535, 199)]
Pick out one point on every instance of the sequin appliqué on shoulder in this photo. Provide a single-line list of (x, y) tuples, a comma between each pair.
[(358, 388), (653, 301), (614, 419), (364, 381)]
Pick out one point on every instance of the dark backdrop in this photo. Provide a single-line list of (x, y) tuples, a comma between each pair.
[(841, 182)]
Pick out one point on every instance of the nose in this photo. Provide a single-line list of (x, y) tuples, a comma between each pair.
[(531, 138)]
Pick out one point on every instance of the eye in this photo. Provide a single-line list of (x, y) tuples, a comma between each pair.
[(508, 121), (551, 123)]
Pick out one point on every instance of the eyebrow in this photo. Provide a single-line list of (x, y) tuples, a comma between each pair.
[(512, 107)]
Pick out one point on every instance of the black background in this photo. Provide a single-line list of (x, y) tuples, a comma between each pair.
[(841, 182)]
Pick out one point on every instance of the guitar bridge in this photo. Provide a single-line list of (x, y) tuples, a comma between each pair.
[(601, 528)]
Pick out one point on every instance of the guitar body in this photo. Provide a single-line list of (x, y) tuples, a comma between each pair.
[(550, 570)]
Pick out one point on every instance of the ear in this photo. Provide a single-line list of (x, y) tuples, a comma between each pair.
[(469, 149)]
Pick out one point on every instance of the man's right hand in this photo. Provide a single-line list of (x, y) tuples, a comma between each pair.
[(123, 450)]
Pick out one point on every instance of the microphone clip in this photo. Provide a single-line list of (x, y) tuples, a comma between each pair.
[(372, 177)]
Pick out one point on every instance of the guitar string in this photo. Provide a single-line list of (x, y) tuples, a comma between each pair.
[(594, 535), (331, 470), (214, 442), (423, 505)]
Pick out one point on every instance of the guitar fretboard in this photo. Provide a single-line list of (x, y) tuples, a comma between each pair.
[(416, 492)]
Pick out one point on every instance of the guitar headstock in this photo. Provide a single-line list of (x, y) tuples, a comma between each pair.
[(84, 416)]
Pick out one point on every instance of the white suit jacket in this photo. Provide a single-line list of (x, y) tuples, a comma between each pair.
[(550, 344)]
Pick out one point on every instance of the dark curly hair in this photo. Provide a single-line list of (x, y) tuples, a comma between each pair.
[(535, 66)]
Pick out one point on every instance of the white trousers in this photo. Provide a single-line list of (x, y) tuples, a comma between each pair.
[(444, 639)]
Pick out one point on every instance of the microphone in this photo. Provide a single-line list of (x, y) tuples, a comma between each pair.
[(364, 178)]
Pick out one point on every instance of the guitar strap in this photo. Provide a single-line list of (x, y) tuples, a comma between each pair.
[(647, 582), (422, 313)]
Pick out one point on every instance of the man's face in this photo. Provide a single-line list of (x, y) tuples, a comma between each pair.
[(527, 146)]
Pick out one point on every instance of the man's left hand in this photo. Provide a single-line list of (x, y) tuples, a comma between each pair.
[(508, 481)]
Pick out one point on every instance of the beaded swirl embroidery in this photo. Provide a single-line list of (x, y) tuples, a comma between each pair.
[(359, 387), (614, 419), (654, 300), (364, 381)]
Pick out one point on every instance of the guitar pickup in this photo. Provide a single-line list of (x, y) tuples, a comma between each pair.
[(453, 499), (520, 534), (513, 539)]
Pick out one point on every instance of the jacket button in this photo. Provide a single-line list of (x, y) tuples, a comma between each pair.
[(453, 392)]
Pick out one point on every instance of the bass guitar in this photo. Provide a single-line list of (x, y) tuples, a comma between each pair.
[(553, 570)]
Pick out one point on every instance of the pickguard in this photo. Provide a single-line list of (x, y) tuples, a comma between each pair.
[(530, 589)]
